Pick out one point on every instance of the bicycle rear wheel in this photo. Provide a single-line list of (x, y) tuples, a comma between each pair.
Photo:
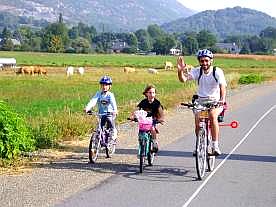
[(94, 147), (201, 153)]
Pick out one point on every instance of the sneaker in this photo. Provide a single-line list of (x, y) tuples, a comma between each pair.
[(216, 151)]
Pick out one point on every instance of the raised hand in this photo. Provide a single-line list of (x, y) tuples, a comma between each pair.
[(180, 64)]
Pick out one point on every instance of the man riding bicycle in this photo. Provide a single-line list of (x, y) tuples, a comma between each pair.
[(211, 86)]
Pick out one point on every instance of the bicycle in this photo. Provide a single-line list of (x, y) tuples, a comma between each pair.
[(101, 139), (146, 144), (204, 155)]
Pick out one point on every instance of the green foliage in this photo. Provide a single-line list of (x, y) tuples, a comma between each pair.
[(251, 78), (15, 136)]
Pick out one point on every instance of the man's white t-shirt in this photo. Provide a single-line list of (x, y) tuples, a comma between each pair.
[(208, 86)]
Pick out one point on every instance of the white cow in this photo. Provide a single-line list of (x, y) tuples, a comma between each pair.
[(70, 71), (129, 70), (168, 65), (152, 71), (81, 70)]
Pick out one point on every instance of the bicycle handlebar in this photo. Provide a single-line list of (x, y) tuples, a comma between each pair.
[(97, 114)]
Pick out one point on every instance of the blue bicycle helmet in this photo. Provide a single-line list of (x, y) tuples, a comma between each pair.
[(106, 80), (204, 53)]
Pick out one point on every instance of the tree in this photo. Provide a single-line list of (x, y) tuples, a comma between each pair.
[(55, 44), (143, 38), (269, 32), (206, 39), (155, 31), (6, 33), (81, 45), (7, 44), (162, 45), (191, 45), (55, 36)]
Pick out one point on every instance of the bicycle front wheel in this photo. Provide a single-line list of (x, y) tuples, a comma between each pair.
[(111, 147), (210, 158), (151, 154), (142, 155), (94, 147), (201, 153)]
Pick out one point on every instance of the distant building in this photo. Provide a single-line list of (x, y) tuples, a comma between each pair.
[(7, 62), (229, 47), (118, 45), (14, 42), (175, 51)]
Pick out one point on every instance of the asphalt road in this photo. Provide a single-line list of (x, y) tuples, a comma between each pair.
[(244, 174)]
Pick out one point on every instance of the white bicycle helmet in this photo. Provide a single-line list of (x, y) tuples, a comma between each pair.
[(204, 53)]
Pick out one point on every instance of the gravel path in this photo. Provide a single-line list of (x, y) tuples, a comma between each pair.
[(49, 183)]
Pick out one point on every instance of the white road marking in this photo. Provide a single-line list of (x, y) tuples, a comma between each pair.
[(223, 161)]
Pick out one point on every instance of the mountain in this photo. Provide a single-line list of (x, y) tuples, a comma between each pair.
[(223, 22), (107, 15)]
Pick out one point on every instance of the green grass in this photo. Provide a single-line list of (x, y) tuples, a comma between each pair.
[(53, 104)]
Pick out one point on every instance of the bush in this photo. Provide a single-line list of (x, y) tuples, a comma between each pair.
[(61, 126), (15, 136), (251, 78)]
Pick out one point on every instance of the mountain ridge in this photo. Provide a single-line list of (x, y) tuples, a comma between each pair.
[(115, 15), (223, 22)]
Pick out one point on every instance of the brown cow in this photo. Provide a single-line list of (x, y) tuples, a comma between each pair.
[(39, 70), (25, 70)]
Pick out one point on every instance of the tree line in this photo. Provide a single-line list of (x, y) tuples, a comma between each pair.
[(58, 38)]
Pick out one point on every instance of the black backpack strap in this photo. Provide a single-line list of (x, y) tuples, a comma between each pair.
[(200, 74), (214, 73)]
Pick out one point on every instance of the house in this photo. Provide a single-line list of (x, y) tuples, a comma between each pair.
[(175, 51), (8, 62), (118, 45), (229, 47), (14, 42), (274, 51)]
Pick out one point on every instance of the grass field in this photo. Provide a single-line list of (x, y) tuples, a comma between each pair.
[(55, 102)]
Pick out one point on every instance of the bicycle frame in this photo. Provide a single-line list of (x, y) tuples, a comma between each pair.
[(100, 138), (203, 157), (145, 147)]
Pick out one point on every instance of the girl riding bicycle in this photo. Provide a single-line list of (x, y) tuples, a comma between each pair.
[(154, 109), (106, 105)]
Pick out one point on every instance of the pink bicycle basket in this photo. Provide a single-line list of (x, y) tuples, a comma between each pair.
[(145, 124)]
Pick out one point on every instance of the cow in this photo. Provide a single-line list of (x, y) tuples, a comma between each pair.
[(70, 71), (168, 65), (40, 70), (26, 70), (81, 70), (129, 70), (152, 71)]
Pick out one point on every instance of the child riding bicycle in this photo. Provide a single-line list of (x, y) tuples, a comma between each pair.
[(106, 105), (154, 109)]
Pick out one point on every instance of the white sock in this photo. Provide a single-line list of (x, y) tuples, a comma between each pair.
[(215, 144)]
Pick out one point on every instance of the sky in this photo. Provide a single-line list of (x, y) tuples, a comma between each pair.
[(266, 6)]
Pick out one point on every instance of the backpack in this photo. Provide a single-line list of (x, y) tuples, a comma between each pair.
[(214, 74)]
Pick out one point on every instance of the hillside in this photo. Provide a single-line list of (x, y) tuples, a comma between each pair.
[(223, 22), (116, 15)]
